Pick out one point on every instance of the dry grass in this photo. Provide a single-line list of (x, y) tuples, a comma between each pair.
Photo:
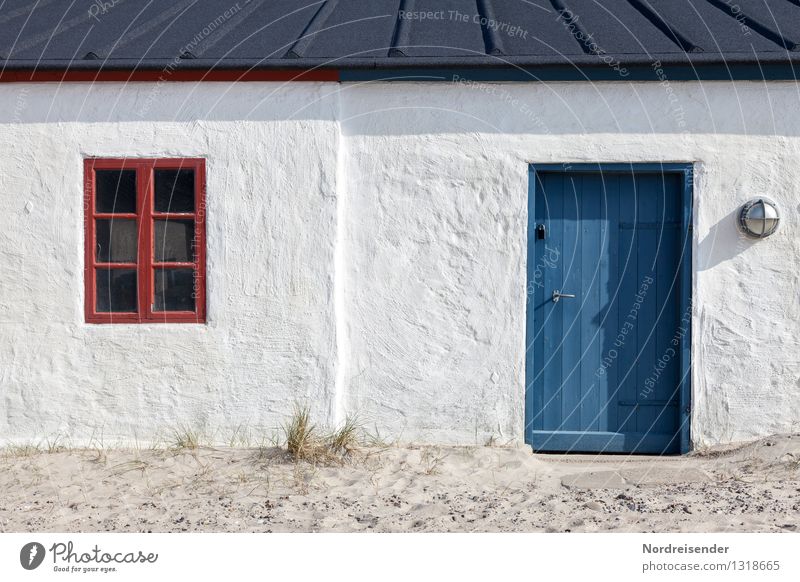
[(240, 437), (431, 458), (51, 444), (127, 466), (20, 451), (301, 436), (185, 437), (55, 444), (347, 439), (306, 442)]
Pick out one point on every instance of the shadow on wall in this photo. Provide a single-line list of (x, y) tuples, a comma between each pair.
[(568, 109), (28, 103), (722, 243), (538, 109)]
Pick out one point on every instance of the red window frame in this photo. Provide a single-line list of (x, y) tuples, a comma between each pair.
[(146, 264)]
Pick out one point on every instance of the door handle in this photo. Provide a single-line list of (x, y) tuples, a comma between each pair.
[(557, 294)]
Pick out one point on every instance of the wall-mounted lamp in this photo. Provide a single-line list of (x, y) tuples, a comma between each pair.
[(759, 218)]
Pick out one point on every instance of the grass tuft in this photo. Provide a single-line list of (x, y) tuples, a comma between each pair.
[(240, 437), (305, 442), (185, 437), (301, 438), (55, 444), (347, 438), (23, 450)]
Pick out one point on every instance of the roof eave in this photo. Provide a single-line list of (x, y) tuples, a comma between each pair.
[(393, 63)]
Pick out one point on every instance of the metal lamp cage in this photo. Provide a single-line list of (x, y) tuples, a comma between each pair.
[(759, 218)]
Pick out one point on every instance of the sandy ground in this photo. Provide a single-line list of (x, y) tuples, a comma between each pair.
[(751, 488)]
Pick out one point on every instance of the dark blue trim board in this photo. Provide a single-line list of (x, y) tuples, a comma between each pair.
[(655, 72), (628, 440)]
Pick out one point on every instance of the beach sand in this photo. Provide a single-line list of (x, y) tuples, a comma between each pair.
[(750, 488)]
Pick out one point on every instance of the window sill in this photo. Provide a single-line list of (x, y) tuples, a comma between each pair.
[(123, 319)]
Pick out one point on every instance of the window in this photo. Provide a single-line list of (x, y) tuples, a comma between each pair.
[(145, 241)]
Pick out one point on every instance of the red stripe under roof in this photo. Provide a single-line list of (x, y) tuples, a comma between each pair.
[(223, 75)]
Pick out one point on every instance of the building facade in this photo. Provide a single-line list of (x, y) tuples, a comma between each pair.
[(367, 246)]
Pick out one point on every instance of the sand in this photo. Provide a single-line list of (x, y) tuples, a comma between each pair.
[(750, 488)]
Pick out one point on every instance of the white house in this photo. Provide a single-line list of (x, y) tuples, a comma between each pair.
[(213, 211)]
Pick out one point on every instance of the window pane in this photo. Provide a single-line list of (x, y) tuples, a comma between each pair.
[(174, 190), (116, 240), (174, 240), (174, 289), (116, 290), (115, 190)]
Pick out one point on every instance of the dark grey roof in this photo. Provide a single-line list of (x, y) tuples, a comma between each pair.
[(351, 34)]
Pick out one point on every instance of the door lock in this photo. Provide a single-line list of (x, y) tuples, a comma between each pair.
[(557, 294)]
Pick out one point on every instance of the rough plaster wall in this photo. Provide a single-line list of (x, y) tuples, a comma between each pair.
[(411, 312), (437, 180), (437, 287), (271, 218)]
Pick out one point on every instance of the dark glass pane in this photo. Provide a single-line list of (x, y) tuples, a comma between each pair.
[(116, 290), (174, 240), (174, 289), (115, 191), (174, 190), (116, 240)]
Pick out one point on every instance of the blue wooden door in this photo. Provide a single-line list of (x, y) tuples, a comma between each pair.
[(607, 338)]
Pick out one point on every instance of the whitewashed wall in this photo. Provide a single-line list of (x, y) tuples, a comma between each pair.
[(271, 221), (366, 252)]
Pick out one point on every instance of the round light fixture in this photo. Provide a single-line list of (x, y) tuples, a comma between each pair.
[(759, 218)]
